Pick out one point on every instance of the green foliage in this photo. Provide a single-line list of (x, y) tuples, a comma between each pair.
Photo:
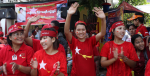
[(135, 3), (89, 4)]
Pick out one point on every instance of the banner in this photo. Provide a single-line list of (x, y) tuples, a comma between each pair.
[(48, 12), (113, 16)]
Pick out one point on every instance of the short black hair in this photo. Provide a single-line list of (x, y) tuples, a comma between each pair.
[(56, 43), (36, 26), (128, 26), (56, 23), (134, 37), (8, 40), (141, 19), (33, 32), (81, 24), (20, 9)]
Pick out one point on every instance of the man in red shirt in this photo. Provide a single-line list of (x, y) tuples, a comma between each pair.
[(138, 20)]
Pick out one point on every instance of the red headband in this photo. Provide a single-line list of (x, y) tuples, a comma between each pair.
[(48, 33), (116, 24), (80, 22)]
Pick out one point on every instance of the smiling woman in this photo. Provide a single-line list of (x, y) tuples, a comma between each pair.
[(116, 55), (15, 57)]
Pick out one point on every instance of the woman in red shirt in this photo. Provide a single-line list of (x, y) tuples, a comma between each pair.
[(138, 43), (117, 55), (49, 61), (82, 47), (15, 58)]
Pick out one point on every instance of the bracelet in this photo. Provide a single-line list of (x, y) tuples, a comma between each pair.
[(126, 59), (57, 73)]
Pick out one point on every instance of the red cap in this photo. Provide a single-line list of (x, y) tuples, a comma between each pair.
[(47, 26), (1, 33), (14, 28), (80, 22)]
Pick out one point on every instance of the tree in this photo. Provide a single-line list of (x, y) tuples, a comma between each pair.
[(135, 3), (89, 4)]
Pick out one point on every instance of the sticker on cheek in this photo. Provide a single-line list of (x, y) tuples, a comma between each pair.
[(15, 38), (77, 32), (117, 31), (45, 40)]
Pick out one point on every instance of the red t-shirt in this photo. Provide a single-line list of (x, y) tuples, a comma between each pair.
[(23, 57), (95, 51), (37, 46), (119, 68), (147, 70), (142, 30), (140, 66), (46, 62), (83, 60)]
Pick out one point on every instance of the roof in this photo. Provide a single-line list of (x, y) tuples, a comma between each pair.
[(129, 8)]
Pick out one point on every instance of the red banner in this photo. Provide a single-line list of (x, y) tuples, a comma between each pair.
[(48, 12)]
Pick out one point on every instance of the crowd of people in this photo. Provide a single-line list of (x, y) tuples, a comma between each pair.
[(48, 53)]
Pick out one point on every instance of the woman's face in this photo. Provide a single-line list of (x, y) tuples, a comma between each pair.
[(119, 32), (17, 37), (132, 30), (139, 43), (47, 42), (80, 31)]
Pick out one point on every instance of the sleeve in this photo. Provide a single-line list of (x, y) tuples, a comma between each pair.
[(29, 55), (61, 48), (147, 70), (132, 53), (93, 40), (63, 64), (36, 45), (72, 44), (105, 50), (145, 31)]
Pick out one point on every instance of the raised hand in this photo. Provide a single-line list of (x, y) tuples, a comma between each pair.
[(115, 51), (4, 68), (34, 63), (73, 8), (14, 67), (99, 12), (34, 19)]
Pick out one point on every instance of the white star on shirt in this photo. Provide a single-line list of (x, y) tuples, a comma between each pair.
[(42, 65), (77, 50)]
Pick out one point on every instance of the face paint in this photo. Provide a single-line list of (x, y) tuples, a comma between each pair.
[(45, 40), (117, 31), (77, 32), (15, 38)]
